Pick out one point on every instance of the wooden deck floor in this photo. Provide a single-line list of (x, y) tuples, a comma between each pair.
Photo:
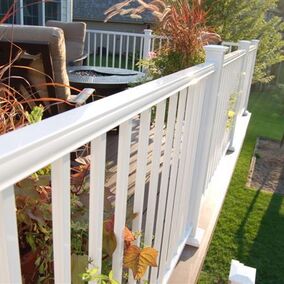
[(111, 165), (111, 168)]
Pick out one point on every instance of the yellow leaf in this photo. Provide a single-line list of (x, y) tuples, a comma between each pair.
[(109, 239), (149, 256), (128, 236), (131, 258), (138, 260)]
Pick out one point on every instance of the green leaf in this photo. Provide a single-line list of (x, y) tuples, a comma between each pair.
[(110, 275), (35, 115), (30, 240), (78, 267)]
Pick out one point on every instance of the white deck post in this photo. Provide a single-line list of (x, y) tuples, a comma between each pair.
[(255, 43), (214, 54), (241, 274), (245, 45), (147, 43), (243, 80)]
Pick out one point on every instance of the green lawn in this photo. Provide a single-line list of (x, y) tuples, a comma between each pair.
[(251, 225), (116, 61)]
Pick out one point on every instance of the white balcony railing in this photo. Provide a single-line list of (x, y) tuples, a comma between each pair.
[(125, 49), (121, 49), (185, 153)]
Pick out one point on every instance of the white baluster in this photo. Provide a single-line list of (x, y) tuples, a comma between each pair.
[(10, 268), (121, 196), (60, 181), (96, 212)]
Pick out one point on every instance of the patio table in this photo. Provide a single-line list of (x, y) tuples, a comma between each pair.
[(106, 81)]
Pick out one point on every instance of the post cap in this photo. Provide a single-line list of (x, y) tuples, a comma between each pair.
[(255, 41), (148, 31), (245, 41), (216, 48), (244, 44)]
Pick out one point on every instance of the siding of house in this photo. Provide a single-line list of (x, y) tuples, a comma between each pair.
[(121, 27)]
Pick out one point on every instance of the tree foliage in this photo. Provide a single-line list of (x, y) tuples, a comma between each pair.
[(254, 19)]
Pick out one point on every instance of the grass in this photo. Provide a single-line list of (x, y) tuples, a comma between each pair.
[(251, 225), (104, 63)]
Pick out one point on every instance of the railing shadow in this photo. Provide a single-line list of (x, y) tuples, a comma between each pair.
[(266, 251)]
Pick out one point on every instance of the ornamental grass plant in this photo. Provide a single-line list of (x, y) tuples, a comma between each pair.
[(181, 21)]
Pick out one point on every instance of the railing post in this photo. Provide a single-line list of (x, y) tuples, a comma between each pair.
[(147, 43), (243, 81), (250, 69), (214, 54), (244, 45)]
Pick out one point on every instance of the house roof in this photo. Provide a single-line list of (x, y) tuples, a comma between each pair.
[(93, 10)]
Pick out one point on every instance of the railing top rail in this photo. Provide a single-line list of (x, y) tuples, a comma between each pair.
[(26, 150), (116, 33), (160, 37), (230, 43), (252, 48), (232, 56), (126, 34)]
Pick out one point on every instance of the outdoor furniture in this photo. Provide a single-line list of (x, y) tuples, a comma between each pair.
[(106, 80), (75, 34), (44, 61)]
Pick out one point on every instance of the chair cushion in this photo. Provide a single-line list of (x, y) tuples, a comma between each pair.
[(75, 34), (55, 38)]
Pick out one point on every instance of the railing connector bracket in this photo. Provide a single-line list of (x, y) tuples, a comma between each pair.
[(231, 150), (195, 241)]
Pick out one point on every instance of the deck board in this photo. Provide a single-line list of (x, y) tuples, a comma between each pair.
[(111, 168)]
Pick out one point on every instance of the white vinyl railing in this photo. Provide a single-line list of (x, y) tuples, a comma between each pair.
[(189, 139), (121, 49), (233, 46)]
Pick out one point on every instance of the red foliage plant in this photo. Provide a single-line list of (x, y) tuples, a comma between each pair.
[(184, 23)]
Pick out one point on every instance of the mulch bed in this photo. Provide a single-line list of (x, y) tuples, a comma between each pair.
[(267, 166)]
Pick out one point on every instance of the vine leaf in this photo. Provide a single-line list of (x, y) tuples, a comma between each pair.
[(109, 239), (138, 260), (128, 238)]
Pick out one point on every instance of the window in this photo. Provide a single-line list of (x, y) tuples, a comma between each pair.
[(4, 7), (33, 12), (53, 10)]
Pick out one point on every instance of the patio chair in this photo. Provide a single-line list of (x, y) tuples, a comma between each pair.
[(43, 49), (75, 34)]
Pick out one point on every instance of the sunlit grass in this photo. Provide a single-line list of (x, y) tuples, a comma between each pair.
[(114, 61), (251, 225)]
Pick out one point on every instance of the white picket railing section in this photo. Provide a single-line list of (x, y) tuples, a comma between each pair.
[(232, 45), (186, 150), (121, 49)]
